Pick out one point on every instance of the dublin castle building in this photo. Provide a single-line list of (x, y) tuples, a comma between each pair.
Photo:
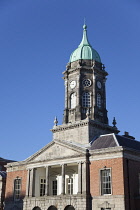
[(87, 165)]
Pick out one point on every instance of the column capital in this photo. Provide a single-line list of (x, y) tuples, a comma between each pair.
[(47, 166), (30, 169), (63, 164)]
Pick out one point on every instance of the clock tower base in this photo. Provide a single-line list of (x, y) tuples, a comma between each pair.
[(82, 132)]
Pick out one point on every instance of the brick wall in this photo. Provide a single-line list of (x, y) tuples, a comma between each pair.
[(116, 166), (10, 183)]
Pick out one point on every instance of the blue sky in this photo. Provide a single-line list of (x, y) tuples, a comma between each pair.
[(36, 40)]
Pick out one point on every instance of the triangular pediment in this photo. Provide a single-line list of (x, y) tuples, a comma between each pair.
[(56, 150)]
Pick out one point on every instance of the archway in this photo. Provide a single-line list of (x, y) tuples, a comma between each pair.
[(36, 208), (52, 208), (69, 208)]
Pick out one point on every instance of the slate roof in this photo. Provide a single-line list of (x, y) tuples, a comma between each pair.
[(114, 140), (5, 160), (128, 143)]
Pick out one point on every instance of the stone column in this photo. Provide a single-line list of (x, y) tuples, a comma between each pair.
[(84, 178), (47, 181), (27, 182), (31, 184), (63, 179), (79, 177)]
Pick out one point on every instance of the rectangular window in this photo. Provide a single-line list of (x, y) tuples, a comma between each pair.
[(70, 186), (17, 189), (54, 186), (105, 181), (42, 186)]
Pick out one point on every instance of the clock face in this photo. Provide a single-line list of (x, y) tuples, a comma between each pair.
[(99, 85), (86, 82), (72, 84)]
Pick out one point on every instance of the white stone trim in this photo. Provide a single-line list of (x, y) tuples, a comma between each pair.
[(116, 140)]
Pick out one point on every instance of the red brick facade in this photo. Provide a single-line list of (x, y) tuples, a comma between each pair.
[(116, 166), (11, 176)]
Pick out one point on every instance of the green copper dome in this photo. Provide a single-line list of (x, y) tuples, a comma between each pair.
[(85, 50)]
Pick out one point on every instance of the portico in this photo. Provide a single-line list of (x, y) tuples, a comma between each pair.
[(55, 180)]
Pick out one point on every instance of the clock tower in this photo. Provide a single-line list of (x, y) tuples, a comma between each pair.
[(85, 79), (85, 113)]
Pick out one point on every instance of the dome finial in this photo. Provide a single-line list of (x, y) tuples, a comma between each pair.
[(84, 26), (114, 122), (85, 38), (55, 121)]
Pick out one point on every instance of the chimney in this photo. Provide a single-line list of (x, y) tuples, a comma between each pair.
[(126, 134)]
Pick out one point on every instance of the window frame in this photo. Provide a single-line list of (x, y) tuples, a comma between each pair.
[(99, 100), (101, 184), (86, 82), (86, 100), (17, 198), (41, 193), (56, 185), (70, 185)]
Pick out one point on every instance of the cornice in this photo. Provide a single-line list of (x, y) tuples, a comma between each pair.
[(43, 163), (69, 126), (106, 150), (79, 68), (82, 123), (111, 153)]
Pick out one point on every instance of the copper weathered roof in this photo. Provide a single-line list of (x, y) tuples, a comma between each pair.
[(85, 50)]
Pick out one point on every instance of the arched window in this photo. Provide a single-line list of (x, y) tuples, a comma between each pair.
[(86, 99), (99, 101), (36, 208), (73, 100), (52, 208), (69, 208)]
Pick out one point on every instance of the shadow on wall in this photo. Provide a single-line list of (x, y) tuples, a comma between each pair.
[(11, 203)]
